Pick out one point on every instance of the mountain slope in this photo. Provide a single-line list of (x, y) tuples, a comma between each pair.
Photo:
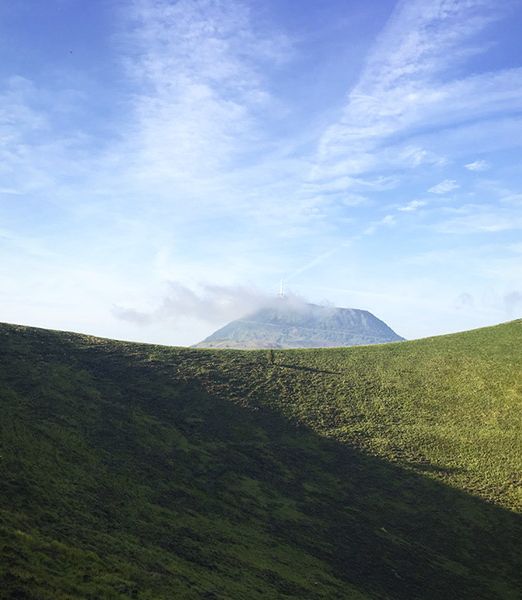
[(287, 324), (139, 471)]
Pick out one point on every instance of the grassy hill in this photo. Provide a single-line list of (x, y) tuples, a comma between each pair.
[(140, 471)]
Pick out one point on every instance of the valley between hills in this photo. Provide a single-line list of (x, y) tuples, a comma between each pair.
[(373, 472)]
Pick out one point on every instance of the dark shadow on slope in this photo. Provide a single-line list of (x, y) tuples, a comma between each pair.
[(143, 463), (301, 368)]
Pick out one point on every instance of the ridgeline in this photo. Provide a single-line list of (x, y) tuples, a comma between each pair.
[(148, 472)]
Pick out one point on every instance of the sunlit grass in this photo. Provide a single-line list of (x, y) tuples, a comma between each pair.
[(139, 471)]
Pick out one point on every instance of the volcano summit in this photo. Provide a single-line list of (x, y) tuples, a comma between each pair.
[(289, 324)]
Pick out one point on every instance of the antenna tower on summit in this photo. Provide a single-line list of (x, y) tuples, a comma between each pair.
[(281, 289)]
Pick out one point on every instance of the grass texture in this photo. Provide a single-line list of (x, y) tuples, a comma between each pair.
[(148, 472)]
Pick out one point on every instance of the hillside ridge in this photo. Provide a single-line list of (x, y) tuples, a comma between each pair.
[(145, 471), (21, 327)]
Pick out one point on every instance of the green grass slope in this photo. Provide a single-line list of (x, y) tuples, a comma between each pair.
[(139, 471)]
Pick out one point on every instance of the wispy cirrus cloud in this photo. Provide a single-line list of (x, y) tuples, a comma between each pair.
[(448, 185), (481, 219), (192, 118), (477, 165), (201, 88), (412, 95), (411, 85), (43, 152), (412, 206), (21, 125)]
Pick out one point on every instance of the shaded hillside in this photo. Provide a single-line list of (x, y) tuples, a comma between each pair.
[(287, 324), (139, 471)]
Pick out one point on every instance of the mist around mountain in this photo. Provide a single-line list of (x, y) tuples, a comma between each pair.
[(148, 472), (291, 323)]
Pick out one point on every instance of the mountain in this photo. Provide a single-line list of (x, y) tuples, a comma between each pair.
[(366, 473), (288, 324)]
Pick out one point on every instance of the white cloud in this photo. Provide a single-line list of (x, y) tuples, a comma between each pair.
[(412, 206), (448, 185), (473, 218), (208, 303), (477, 165), (513, 199), (10, 192), (408, 87), (388, 220), (197, 64)]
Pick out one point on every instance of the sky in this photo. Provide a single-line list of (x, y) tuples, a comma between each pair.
[(165, 163)]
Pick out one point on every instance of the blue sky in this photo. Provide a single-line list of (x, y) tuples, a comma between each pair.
[(165, 163)]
